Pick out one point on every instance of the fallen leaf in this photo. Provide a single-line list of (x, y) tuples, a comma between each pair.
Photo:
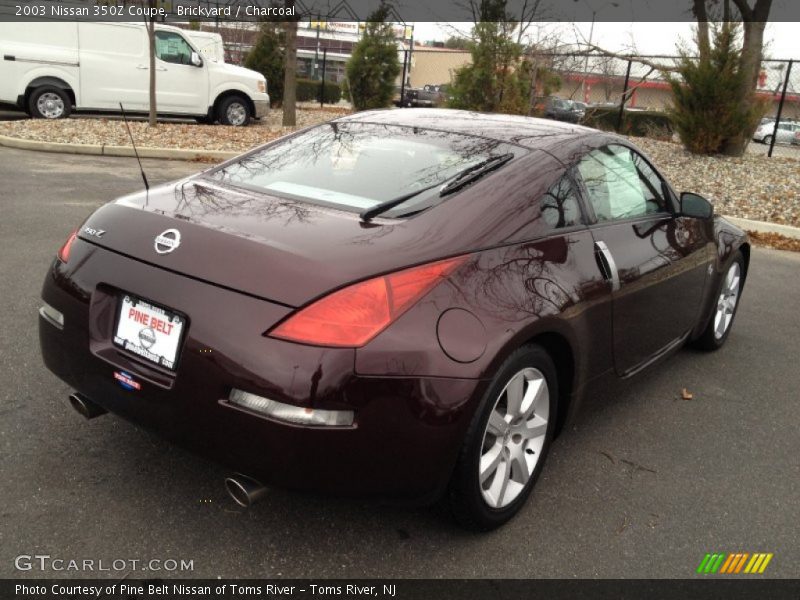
[(686, 394)]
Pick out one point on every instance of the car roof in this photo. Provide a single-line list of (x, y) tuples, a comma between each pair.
[(529, 132)]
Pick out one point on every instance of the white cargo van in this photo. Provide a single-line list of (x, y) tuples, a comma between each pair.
[(49, 69), (209, 44)]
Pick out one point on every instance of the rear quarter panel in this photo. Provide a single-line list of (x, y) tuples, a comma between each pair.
[(517, 292)]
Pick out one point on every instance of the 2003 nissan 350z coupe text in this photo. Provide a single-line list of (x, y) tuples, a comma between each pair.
[(409, 304)]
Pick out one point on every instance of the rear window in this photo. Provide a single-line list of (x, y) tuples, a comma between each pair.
[(356, 166)]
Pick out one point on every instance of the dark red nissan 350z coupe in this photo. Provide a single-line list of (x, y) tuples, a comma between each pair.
[(409, 304)]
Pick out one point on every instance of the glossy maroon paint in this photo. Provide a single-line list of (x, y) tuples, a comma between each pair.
[(416, 386)]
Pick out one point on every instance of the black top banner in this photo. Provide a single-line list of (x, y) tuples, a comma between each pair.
[(401, 589), (404, 11)]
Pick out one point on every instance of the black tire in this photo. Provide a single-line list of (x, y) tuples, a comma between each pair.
[(767, 140), (465, 494), (227, 116), (60, 103), (709, 340)]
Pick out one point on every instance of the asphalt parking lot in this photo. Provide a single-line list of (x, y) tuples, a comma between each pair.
[(643, 486)]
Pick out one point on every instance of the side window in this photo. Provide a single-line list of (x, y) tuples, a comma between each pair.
[(652, 185), (172, 48), (620, 184), (559, 206)]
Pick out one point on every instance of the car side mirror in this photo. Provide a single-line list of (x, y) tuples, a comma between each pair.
[(196, 60), (696, 206)]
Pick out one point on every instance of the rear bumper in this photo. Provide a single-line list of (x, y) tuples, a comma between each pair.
[(407, 430)]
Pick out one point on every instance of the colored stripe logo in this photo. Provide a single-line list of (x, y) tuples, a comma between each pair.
[(723, 563)]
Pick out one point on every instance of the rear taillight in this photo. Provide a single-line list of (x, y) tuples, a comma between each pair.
[(63, 254), (354, 315)]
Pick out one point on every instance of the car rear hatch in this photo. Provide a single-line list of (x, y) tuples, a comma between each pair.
[(280, 250)]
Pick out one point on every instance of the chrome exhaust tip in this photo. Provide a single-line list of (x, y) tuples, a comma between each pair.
[(85, 407), (244, 490)]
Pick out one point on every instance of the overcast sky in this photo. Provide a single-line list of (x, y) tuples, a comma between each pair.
[(649, 38)]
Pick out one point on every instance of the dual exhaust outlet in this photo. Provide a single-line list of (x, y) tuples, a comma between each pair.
[(244, 490)]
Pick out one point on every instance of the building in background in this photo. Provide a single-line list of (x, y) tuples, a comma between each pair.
[(338, 38), (431, 65), (331, 40)]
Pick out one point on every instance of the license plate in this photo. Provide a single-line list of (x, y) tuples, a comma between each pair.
[(149, 331)]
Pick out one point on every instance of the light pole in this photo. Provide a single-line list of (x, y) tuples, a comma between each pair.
[(591, 34)]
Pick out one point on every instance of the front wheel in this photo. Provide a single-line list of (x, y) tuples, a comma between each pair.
[(730, 289), (234, 111), (767, 140), (507, 442), (49, 102)]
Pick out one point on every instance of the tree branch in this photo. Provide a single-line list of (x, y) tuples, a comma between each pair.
[(744, 9), (632, 57)]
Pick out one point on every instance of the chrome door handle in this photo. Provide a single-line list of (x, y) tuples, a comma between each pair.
[(612, 273), (141, 66), (161, 68)]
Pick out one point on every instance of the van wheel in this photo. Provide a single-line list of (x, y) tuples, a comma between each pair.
[(235, 111), (507, 441), (49, 102)]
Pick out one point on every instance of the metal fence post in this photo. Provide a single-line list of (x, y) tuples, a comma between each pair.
[(403, 80), (624, 97), (780, 109), (322, 83)]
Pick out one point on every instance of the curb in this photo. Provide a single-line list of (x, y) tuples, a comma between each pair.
[(187, 154), (108, 150), (764, 227)]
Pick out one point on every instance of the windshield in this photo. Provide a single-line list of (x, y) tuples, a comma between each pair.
[(357, 166)]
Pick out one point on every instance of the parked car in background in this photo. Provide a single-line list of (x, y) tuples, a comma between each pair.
[(440, 93), (580, 106), (786, 132), (428, 96), (338, 311), (51, 69), (562, 109)]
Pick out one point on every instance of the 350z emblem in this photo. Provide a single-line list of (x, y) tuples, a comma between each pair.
[(93, 232), (167, 241)]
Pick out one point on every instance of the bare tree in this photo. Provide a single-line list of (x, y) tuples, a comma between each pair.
[(290, 71), (754, 15), (151, 41), (754, 20)]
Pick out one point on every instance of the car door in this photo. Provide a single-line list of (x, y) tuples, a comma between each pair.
[(784, 133), (654, 260), (181, 87)]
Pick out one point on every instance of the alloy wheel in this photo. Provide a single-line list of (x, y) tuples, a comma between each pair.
[(726, 303), (514, 437)]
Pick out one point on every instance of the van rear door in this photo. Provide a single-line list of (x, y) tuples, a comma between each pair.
[(114, 66)]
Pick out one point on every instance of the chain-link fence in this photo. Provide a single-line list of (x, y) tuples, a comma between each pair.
[(628, 85)]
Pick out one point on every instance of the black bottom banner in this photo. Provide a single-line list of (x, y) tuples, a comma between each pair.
[(401, 589)]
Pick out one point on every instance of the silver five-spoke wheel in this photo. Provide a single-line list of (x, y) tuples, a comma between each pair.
[(50, 105), (514, 437), (726, 303)]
